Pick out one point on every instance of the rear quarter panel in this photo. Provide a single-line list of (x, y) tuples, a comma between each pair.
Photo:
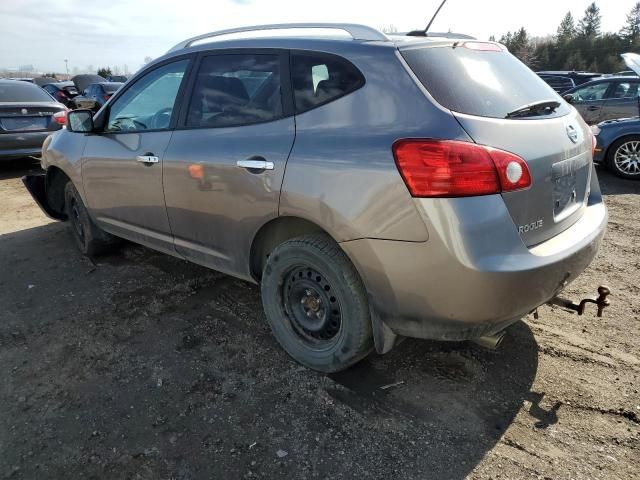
[(341, 172)]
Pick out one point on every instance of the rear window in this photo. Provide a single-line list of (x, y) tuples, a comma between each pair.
[(320, 78), (23, 92), (476, 82), (111, 87)]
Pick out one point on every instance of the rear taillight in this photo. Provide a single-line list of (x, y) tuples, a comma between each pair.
[(60, 95), (106, 97), (60, 117), (449, 168), (594, 145)]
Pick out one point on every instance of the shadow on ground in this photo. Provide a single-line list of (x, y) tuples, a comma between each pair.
[(140, 365), (18, 168)]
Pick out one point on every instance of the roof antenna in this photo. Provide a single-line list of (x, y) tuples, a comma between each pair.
[(423, 33)]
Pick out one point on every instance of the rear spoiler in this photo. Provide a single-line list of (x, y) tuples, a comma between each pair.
[(421, 33)]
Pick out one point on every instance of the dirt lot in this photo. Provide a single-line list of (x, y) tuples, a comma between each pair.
[(142, 366)]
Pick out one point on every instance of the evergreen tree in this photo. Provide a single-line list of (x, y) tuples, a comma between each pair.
[(589, 26), (567, 29), (105, 72), (631, 31)]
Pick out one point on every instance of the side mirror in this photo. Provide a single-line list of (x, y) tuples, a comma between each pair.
[(568, 98), (80, 121)]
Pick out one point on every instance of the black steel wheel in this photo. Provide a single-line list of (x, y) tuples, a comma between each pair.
[(312, 308), (316, 304)]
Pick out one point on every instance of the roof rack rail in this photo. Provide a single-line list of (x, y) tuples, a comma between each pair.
[(358, 32)]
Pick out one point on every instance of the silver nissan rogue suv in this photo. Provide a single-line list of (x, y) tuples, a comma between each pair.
[(375, 187)]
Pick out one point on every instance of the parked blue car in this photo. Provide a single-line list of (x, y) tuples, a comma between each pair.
[(618, 146)]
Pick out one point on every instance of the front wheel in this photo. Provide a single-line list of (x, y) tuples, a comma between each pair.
[(624, 157), (316, 304), (90, 238)]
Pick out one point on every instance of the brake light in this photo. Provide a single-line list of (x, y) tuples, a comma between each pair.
[(448, 168), (106, 97), (60, 117), (483, 46), (60, 95)]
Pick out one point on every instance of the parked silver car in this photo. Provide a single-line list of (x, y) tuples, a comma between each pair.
[(606, 99), (375, 187)]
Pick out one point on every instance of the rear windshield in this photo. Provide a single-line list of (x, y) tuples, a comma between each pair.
[(111, 87), (476, 82), (22, 92)]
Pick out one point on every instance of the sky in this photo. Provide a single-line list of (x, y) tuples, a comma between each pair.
[(44, 33)]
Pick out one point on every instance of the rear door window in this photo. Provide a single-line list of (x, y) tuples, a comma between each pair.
[(233, 90), (479, 82), (321, 78)]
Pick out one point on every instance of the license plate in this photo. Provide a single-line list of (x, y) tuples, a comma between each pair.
[(566, 189), (24, 123), (564, 192)]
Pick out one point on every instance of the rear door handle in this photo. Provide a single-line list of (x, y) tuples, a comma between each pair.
[(148, 159), (255, 164)]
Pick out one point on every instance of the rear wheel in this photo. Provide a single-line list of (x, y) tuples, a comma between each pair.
[(624, 157), (90, 238), (316, 304)]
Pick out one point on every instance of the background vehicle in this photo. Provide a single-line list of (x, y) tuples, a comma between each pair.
[(117, 78), (363, 207), (559, 83), (63, 92), (28, 115), (578, 78), (83, 81), (96, 95), (618, 146), (605, 99), (42, 81)]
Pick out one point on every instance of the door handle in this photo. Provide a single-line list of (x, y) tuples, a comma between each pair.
[(149, 159), (255, 164), (593, 108)]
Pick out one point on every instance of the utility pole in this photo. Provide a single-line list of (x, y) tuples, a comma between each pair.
[(66, 66)]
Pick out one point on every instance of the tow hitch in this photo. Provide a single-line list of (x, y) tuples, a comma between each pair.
[(601, 301)]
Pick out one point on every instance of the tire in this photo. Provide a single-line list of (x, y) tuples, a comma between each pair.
[(91, 239), (623, 157), (316, 304)]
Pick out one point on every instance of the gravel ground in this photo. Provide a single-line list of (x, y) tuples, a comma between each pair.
[(143, 366)]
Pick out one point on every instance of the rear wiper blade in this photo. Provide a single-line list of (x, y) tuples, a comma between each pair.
[(537, 108)]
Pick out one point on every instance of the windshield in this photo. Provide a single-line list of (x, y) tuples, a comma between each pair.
[(22, 92), (482, 83)]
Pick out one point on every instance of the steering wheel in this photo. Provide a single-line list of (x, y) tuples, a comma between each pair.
[(126, 123), (161, 118)]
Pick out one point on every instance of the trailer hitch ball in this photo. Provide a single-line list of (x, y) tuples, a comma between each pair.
[(601, 301)]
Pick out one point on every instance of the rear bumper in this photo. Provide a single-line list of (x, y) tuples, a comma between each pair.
[(20, 145), (36, 185), (474, 276)]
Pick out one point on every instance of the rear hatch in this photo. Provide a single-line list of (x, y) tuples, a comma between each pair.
[(70, 90), (486, 88)]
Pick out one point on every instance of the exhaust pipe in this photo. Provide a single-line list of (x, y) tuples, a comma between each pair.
[(492, 342)]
